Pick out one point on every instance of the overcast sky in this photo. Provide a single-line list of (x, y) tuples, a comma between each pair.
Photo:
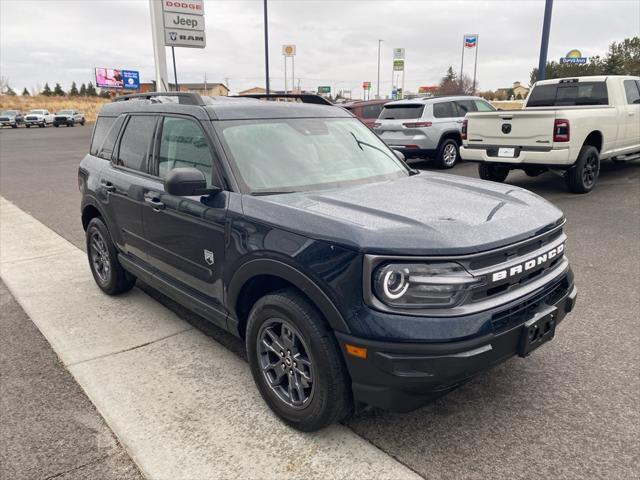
[(60, 41)]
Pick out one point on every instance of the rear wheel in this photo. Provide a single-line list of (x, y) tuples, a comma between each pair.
[(582, 177), (296, 363), (494, 173), (103, 260), (27, 125), (14, 125), (448, 153)]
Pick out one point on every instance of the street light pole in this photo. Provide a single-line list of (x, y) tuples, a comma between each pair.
[(378, 85), (544, 45), (266, 47)]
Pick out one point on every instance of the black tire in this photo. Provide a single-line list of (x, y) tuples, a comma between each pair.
[(14, 125), (56, 125), (582, 177), (28, 126), (103, 260), (448, 153), (494, 173), (70, 124), (328, 399), (42, 125), (82, 122)]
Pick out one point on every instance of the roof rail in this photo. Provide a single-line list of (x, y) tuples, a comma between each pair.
[(184, 98), (303, 97)]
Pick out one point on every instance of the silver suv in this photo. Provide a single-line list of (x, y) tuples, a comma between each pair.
[(428, 127)]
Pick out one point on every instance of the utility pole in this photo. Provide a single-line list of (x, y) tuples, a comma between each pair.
[(266, 47), (226, 82), (159, 53), (378, 85), (544, 44)]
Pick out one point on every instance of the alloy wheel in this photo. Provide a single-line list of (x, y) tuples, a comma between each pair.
[(286, 363), (590, 170), (100, 257), (449, 154)]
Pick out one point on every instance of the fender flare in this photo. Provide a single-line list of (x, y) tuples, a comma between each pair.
[(277, 268)]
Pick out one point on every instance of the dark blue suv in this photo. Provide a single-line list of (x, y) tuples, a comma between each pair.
[(354, 279)]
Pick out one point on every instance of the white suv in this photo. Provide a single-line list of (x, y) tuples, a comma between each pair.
[(428, 127)]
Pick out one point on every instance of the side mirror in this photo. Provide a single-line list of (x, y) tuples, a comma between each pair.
[(400, 155), (187, 182)]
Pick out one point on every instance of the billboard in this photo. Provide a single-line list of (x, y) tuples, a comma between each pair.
[(116, 78)]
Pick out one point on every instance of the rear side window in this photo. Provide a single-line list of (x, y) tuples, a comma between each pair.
[(103, 125), (182, 144), (373, 111), (569, 94), (443, 110), (465, 106), (402, 112), (135, 144), (631, 90)]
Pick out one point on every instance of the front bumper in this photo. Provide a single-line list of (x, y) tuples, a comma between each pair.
[(556, 156), (401, 376)]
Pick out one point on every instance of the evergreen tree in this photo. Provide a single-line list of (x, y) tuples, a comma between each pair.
[(83, 90), (57, 91), (46, 91), (73, 92), (91, 90), (105, 94), (25, 92)]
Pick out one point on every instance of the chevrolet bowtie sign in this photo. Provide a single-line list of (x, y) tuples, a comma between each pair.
[(184, 23)]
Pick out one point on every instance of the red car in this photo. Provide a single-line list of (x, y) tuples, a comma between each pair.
[(366, 110)]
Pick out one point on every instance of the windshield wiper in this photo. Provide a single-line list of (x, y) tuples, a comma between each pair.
[(360, 143)]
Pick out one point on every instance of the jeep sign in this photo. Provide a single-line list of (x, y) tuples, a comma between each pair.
[(183, 21)]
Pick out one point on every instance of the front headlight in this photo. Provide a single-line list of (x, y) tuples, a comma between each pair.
[(422, 285)]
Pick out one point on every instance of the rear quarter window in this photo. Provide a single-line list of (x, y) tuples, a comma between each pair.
[(100, 130), (135, 143), (402, 112), (632, 92)]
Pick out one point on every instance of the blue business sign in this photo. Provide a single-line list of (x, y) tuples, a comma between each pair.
[(130, 79)]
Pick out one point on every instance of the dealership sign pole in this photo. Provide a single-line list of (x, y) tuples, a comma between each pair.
[(159, 54), (183, 26), (289, 51)]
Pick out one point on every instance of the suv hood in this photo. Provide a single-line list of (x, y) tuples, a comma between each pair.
[(425, 214)]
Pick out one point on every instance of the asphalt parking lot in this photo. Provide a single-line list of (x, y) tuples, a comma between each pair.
[(571, 410)]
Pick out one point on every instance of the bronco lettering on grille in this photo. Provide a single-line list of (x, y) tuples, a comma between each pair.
[(528, 265)]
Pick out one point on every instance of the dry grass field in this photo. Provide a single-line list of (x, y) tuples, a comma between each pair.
[(87, 105)]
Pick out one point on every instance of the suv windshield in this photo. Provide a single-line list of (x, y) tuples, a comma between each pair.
[(402, 111), (65, 112), (301, 154), (569, 94), (37, 112), (8, 112)]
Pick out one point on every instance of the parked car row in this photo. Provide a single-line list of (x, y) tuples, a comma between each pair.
[(41, 117), (566, 126)]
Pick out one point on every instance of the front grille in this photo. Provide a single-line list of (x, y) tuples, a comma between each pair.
[(61, 119), (548, 295), (5, 119), (32, 118)]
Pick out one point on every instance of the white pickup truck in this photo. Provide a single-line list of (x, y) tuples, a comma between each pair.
[(39, 117), (566, 125)]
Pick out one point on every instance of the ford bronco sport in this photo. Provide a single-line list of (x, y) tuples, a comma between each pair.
[(293, 226)]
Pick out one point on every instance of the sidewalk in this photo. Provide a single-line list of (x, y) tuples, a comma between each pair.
[(48, 426)]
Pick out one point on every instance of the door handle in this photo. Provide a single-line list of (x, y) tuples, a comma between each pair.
[(108, 186), (155, 202)]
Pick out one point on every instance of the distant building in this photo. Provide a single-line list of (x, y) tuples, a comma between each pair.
[(253, 91), (209, 89), (516, 92)]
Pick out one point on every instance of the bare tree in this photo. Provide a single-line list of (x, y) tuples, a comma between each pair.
[(4, 84)]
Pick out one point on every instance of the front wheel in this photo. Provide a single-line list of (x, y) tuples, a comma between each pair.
[(103, 260), (296, 363), (27, 125), (448, 153), (493, 173), (582, 177), (15, 125), (82, 122)]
